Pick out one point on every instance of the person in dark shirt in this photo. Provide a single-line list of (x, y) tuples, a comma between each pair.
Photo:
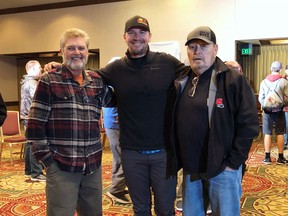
[(3, 111), (141, 81), (215, 120)]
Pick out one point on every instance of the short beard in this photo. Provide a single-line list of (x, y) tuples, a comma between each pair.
[(140, 52), (76, 67)]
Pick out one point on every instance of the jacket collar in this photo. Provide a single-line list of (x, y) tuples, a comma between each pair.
[(182, 79), (219, 67), (149, 55)]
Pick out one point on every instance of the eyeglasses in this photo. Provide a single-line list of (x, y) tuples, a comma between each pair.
[(194, 82)]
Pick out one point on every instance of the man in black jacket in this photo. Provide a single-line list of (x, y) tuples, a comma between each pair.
[(141, 81), (216, 121)]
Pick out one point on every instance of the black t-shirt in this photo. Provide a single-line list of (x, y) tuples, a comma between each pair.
[(193, 124)]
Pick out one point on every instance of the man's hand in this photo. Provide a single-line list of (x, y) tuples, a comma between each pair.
[(50, 66)]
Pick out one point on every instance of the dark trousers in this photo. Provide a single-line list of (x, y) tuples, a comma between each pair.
[(67, 192), (146, 174)]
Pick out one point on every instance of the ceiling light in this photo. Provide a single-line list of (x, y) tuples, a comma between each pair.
[(279, 41)]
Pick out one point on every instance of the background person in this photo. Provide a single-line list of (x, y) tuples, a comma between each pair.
[(64, 130), (273, 82), (235, 65), (33, 168), (285, 109), (3, 111), (213, 151), (117, 190)]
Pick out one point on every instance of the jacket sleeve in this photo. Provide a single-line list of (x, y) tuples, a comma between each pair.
[(246, 124), (3, 111)]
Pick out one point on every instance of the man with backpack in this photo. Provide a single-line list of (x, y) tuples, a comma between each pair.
[(273, 95)]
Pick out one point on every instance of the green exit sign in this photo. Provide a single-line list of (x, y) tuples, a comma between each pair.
[(246, 49)]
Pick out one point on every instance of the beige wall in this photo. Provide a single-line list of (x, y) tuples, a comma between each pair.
[(8, 79), (169, 20)]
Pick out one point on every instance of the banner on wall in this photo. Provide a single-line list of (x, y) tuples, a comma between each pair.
[(170, 47)]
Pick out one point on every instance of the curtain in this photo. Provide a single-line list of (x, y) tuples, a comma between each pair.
[(257, 66)]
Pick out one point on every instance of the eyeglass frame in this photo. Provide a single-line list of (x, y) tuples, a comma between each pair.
[(194, 82)]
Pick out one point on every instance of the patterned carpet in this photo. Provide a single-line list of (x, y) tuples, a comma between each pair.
[(265, 188)]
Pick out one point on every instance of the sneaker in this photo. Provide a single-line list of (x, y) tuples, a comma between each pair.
[(281, 161), (267, 161), (40, 177), (178, 205), (209, 210), (27, 176), (121, 198)]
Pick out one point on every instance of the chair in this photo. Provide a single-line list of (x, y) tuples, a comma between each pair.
[(11, 133)]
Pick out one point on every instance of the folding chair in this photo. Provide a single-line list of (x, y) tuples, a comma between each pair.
[(11, 134)]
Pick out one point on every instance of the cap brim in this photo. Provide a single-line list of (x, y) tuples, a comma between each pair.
[(139, 27), (198, 38)]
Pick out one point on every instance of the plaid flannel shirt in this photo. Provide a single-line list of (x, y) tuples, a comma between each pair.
[(63, 121)]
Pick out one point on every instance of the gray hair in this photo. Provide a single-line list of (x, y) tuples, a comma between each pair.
[(73, 33), (30, 64)]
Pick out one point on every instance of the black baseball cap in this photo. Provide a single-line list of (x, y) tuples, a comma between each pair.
[(137, 22)]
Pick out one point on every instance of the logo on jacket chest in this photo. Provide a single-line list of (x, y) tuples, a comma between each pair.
[(219, 103)]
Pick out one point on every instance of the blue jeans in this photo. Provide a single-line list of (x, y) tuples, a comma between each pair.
[(223, 191), (32, 166), (145, 173)]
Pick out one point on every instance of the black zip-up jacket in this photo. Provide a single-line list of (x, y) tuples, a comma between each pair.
[(233, 124), (141, 87)]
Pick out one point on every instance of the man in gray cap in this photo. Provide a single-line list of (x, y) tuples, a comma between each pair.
[(273, 94), (212, 152)]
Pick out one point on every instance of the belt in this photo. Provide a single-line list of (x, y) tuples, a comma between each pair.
[(147, 152)]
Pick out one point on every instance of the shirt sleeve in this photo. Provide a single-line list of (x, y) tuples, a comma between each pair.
[(38, 117)]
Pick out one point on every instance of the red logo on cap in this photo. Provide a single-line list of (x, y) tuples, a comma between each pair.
[(142, 21)]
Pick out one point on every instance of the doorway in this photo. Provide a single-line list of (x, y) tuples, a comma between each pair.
[(256, 56)]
